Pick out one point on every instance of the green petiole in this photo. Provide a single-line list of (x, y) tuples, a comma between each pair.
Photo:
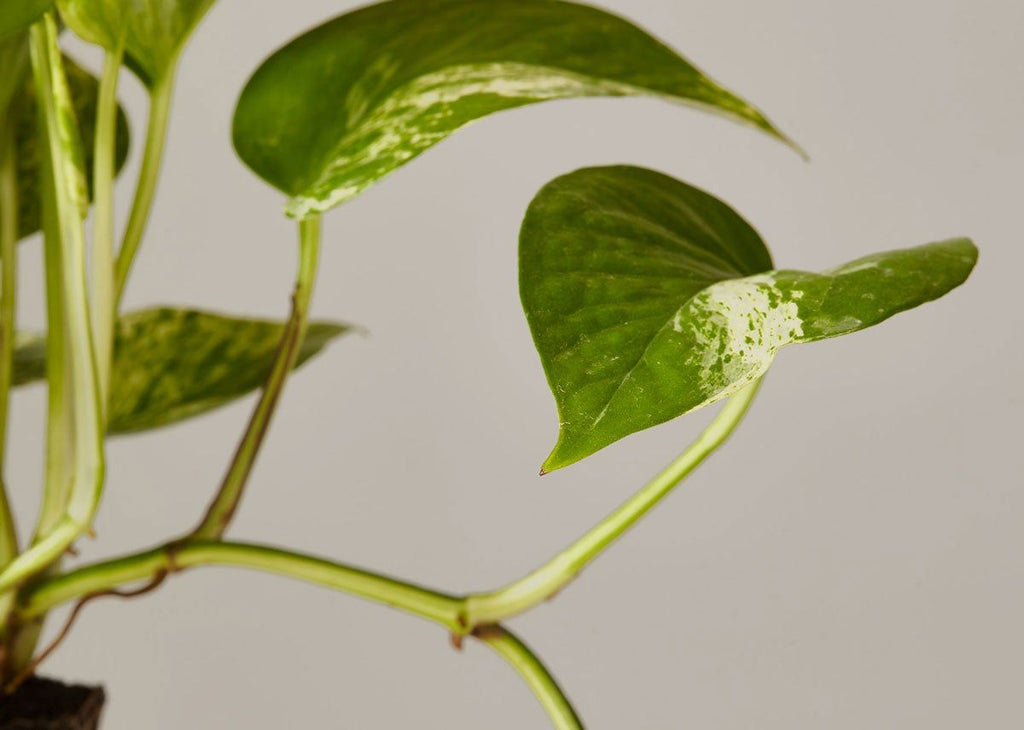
[(226, 501), (88, 461), (104, 306), (8, 332), (149, 174), (546, 581)]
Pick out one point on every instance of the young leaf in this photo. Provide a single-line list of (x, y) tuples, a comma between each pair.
[(354, 99), (648, 298), (172, 364), (30, 152), (17, 15), (154, 31)]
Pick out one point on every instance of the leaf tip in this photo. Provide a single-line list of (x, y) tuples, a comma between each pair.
[(557, 459), (790, 142)]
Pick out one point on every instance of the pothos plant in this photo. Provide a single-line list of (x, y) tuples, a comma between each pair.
[(647, 298)]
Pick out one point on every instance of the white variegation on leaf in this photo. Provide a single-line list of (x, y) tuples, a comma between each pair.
[(348, 102), (648, 299)]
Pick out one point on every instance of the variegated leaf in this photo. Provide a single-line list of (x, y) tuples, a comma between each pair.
[(23, 114), (648, 298), (354, 99), (171, 364)]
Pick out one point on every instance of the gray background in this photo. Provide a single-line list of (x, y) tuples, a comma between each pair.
[(851, 559)]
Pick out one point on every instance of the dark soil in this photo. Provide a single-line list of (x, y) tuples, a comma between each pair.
[(43, 704)]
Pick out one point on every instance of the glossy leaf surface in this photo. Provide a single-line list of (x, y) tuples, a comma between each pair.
[(17, 15), (154, 31), (352, 100), (171, 364), (648, 298), (84, 89)]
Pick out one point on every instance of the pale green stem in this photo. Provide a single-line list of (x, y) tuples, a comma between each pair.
[(8, 328), (103, 307), (57, 478), (418, 601), (475, 610), (438, 607), (546, 581), (225, 503), (152, 159), (88, 469), (441, 608), (536, 675)]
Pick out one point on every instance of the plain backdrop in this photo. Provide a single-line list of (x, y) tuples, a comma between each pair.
[(851, 559)]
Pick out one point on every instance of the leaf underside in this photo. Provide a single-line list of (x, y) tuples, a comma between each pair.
[(154, 31), (172, 364), (354, 99), (648, 299)]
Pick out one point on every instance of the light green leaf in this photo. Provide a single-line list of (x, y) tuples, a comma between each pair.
[(84, 89), (648, 298), (154, 31), (354, 99), (17, 15), (172, 364)]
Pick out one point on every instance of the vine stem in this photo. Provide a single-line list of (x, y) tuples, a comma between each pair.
[(534, 673), (461, 615), (8, 332), (57, 480), (160, 97), (477, 615), (176, 556), (225, 502), (103, 302), (88, 472), (543, 583), (8, 329), (155, 565)]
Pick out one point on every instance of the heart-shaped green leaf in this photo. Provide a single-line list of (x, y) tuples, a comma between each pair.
[(23, 114), (171, 364), (648, 298), (154, 31), (352, 100), (17, 15)]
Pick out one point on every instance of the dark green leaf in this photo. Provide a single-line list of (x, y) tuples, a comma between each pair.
[(171, 364), (29, 358), (648, 298), (13, 68), (17, 15), (154, 31), (354, 99), (30, 151)]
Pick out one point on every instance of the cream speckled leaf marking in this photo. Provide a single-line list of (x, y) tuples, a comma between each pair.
[(418, 116), (354, 99), (648, 299), (18, 105), (172, 364)]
